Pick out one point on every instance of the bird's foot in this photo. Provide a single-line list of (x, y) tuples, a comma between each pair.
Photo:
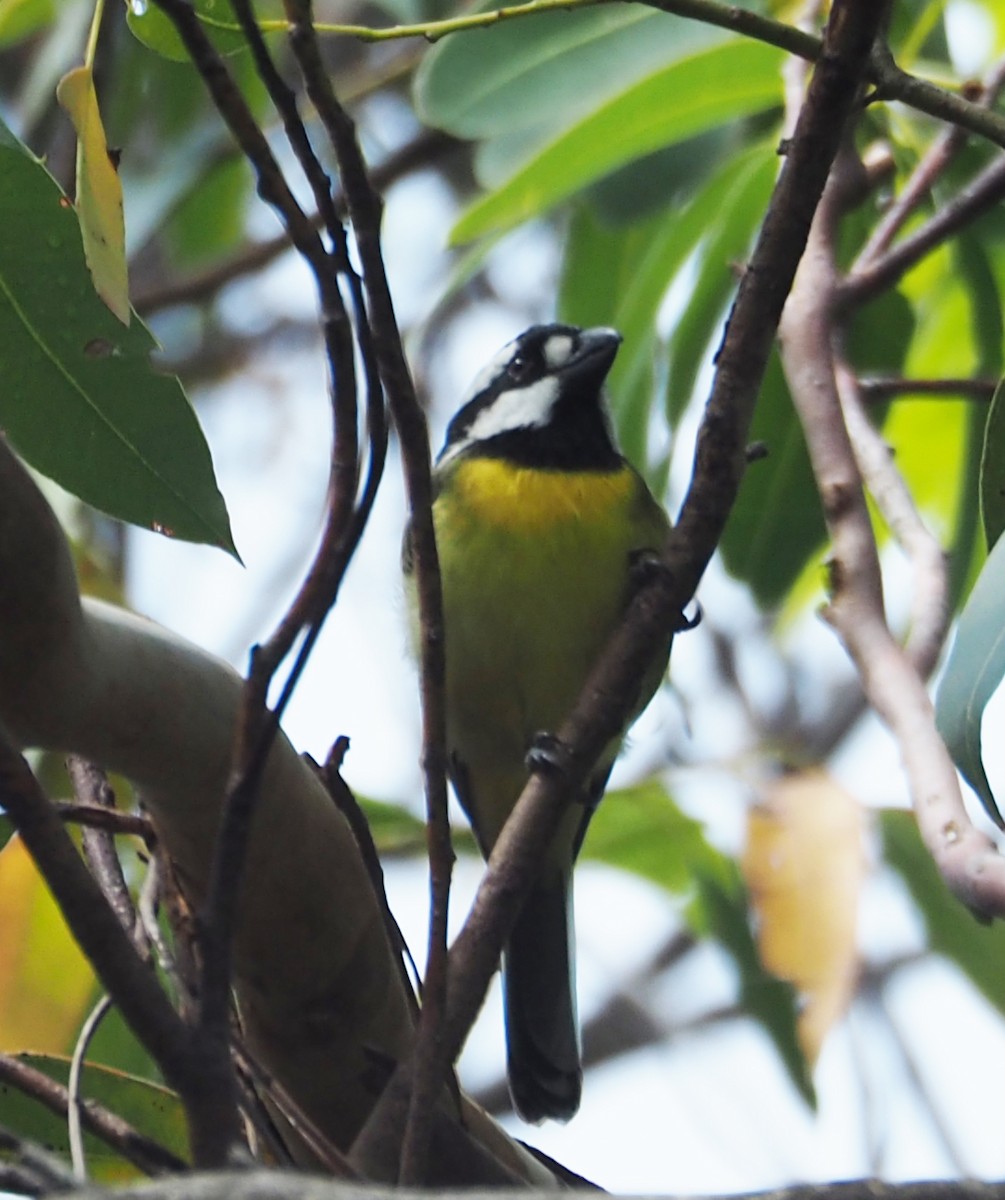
[(644, 568), (547, 754)]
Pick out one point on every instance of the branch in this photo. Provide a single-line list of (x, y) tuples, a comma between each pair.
[(880, 273), (966, 858), (426, 147), (290, 1185), (131, 982), (143, 1152)]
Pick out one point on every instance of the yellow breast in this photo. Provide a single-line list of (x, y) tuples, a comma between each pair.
[(527, 500)]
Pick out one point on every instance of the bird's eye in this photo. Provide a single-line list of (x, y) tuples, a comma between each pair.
[(519, 368)]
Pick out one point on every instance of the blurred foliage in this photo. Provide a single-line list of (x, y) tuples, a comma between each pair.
[(647, 146)]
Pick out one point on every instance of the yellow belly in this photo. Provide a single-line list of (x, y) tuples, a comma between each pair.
[(535, 572)]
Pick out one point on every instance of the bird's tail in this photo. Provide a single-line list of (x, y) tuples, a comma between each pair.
[(542, 1029)]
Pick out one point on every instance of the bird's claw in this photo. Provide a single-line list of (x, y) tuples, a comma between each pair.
[(547, 755)]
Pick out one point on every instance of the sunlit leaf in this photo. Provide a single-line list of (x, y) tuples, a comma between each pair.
[(99, 193), (46, 984), (804, 867), (80, 400), (974, 670), (21, 18), (700, 92)]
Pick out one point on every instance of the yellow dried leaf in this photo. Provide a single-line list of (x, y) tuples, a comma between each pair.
[(46, 985), (804, 865), (99, 193)]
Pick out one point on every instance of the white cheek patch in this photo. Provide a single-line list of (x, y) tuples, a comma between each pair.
[(520, 408), (558, 350)]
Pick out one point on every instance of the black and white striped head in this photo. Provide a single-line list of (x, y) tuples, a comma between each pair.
[(539, 402)]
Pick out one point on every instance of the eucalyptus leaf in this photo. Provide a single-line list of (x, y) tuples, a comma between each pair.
[(79, 398), (147, 1107), (973, 671), (694, 94), (993, 468)]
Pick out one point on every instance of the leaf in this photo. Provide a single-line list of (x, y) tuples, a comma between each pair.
[(993, 468), (729, 230), (46, 984), (777, 523), (691, 95), (804, 867), (156, 30), (78, 396), (543, 72), (953, 931), (148, 1107), (99, 193), (641, 830), (21, 18), (973, 671), (395, 830)]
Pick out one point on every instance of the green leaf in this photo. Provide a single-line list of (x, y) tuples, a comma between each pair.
[(149, 1108), (641, 830), (777, 523), (977, 949), (618, 277), (741, 193), (993, 468), (975, 668), (694, 94), (156, 31), (78, 396), (545, 70), (21, 18), (395, 830)]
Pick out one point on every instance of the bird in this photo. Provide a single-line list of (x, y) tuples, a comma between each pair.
[(540, 526)]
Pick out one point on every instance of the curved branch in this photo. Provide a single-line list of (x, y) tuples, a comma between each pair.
[(966, 858)]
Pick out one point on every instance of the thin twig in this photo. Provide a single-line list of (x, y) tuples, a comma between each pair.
[(92, 788), (107, 946), (932, 165), (966, 858), (881, 273), (930, 595), (143, 1152), (876, 389), (344, 523), (425, 148), (112, 820), (74, 1123)]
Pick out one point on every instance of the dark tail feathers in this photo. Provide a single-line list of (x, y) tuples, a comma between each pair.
[(542, 1029)]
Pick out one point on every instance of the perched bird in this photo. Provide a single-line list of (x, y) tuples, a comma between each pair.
[(539, 523)]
